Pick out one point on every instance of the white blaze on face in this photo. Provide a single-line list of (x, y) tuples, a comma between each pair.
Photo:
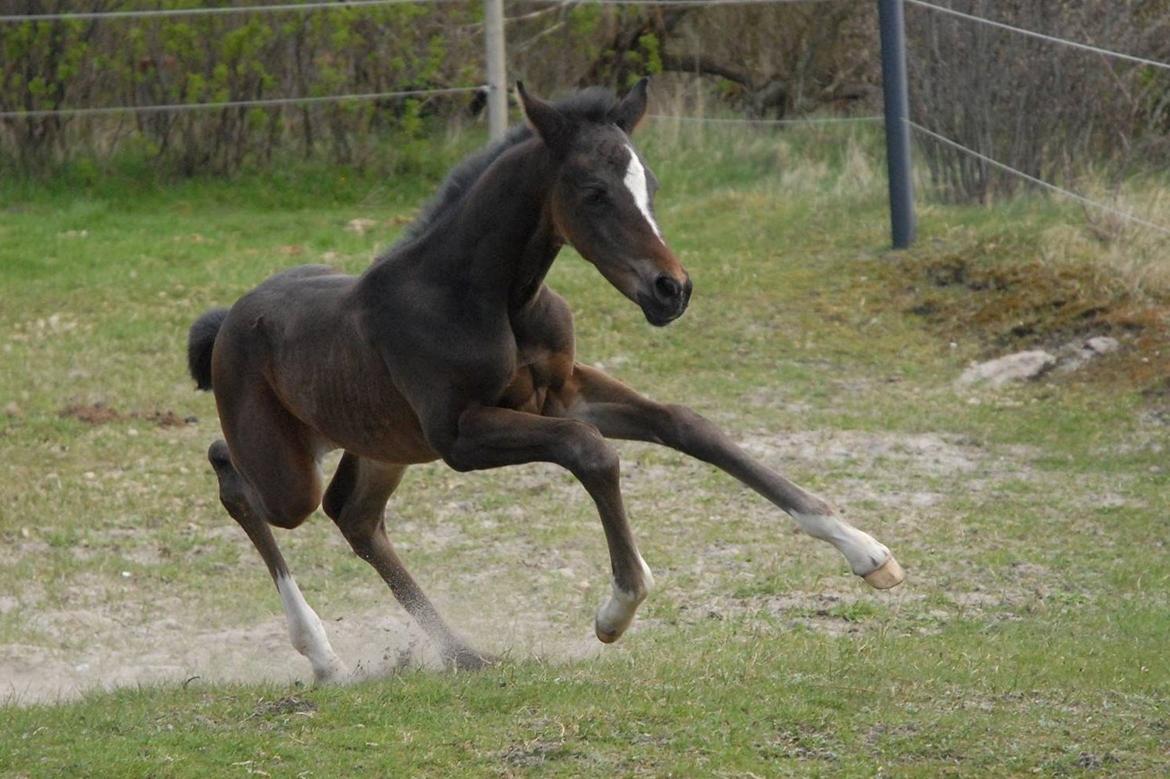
[(635, 181)]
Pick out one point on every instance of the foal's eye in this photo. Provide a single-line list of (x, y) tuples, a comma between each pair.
[(596, 196)]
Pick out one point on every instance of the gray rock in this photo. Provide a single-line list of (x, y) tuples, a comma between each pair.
[(1020, 366), (1103, 344)]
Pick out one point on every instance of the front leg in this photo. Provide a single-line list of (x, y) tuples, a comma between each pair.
[(493, 437), (619, 412)]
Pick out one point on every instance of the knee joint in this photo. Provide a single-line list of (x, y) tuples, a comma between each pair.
[(592, 457)]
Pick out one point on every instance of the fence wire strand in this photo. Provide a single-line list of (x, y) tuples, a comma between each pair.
[(274, 101), (766, 122), (1040, 35), (147, 13), (1128, 216)]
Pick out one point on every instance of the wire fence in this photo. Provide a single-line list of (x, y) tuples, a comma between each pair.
[(919, 127), (305, 7), (989, 159), (807, 120), (259, 102), (311, 6), (1038, 35), (156, 13), (1126, 215)]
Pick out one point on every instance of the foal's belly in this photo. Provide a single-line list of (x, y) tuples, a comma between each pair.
[(355, 407), (387, 431)]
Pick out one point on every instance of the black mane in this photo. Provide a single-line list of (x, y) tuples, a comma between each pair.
[(586, 105)]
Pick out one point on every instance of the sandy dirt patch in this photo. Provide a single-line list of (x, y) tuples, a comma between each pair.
[(107, 639)]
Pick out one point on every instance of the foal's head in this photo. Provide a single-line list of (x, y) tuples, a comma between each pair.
[(603, 202)]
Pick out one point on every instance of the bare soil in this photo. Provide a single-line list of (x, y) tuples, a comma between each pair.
[(108, 637)]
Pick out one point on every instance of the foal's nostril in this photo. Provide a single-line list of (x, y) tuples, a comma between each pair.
[(667, 288)]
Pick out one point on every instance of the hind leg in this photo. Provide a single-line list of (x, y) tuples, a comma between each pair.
[(304, 626), (356, 500)]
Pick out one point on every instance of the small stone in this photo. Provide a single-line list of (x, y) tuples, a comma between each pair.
[(1103, 344), (132, 432), (1020, 366), (12, 409), (360, 226)]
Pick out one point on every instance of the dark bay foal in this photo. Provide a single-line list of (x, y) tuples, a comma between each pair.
[(451, 346)]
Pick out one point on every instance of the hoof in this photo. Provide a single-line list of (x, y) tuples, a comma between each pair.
[(889, 575), (334, 673), (609, 634), (605, 636), (465, 659)]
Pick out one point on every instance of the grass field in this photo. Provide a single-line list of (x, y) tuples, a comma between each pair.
[(1030, 637)]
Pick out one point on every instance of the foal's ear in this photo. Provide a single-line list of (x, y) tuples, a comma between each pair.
[(630, 111), (550, 124)]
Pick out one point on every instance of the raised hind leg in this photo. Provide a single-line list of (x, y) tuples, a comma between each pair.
[(356, 500), (304, 626), (619, 412)]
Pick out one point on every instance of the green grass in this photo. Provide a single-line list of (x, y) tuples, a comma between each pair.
[(1029, 638)]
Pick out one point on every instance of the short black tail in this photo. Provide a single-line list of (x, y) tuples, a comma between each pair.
[(200, 341)]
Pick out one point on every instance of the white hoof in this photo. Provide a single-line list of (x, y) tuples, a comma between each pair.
[(888, 575), (616, 616), (332, 671)]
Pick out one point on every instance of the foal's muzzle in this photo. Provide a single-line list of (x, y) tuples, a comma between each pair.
[(667, 299)]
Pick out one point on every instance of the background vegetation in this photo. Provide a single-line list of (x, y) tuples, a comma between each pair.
[(1050, 111)]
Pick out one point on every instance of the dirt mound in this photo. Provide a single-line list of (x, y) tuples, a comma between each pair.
[(1006, 294)]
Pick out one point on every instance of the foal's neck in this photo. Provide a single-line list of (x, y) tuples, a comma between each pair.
[(507, 240), (499, 243)]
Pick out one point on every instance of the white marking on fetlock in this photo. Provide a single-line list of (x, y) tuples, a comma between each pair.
[(307, 633), (863, 553), (615, 616), (635, 181)]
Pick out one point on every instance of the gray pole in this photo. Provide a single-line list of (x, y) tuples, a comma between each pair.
[(903, 224), (497, 99)]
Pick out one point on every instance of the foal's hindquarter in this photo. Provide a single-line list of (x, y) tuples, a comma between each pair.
[(450, 346)]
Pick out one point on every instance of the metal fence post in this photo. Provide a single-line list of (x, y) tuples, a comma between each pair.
[(497, 98), (891, 22)]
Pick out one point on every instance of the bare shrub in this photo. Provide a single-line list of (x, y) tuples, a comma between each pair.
[(1043, 108), (760, 61), (52, 65)]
